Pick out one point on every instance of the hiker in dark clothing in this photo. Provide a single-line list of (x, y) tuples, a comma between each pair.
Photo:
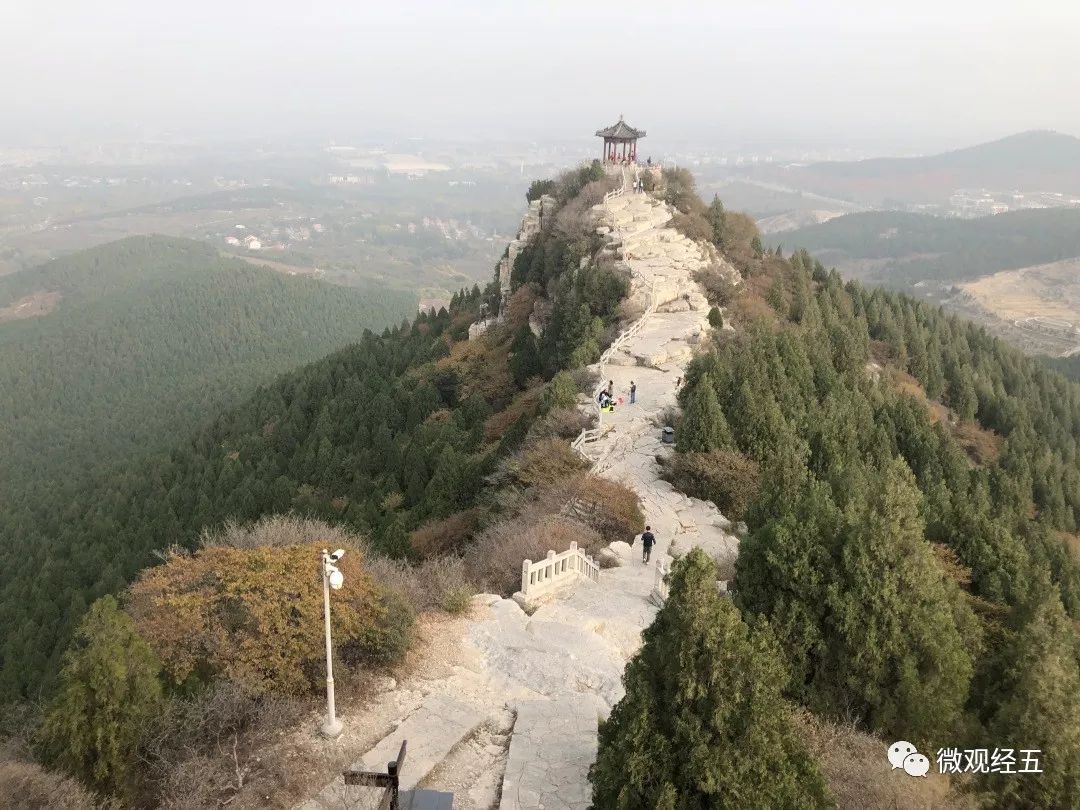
[(633, 392), (647, 541)]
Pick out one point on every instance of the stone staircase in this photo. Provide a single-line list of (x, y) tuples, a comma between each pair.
[(561, 778), (432, 730)]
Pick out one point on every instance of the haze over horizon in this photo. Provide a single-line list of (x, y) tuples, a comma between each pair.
[(925, 76)]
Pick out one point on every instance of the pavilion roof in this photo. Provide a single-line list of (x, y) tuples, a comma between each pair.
[(620, 130)]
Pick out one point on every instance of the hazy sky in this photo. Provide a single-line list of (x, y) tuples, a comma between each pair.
[(943, 72)]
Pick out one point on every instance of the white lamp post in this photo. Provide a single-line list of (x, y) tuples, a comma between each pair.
[(331, 578)]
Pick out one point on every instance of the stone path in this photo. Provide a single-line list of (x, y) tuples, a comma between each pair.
[(560, 669), (539, 774)]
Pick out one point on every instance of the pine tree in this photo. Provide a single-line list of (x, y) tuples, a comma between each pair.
[(703, 427), (109, 689), (1042, 710), (718, 220), (525, 356), (881, 610), (703, 723)]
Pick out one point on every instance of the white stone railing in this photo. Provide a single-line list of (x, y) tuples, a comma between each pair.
[(590, 435), (660, 583), (538, 578)]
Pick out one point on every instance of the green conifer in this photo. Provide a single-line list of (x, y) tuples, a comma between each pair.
[(703, 427), (703, 723), (109, 690)]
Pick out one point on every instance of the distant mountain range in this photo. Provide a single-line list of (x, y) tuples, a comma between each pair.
[(1030, 161), (1035, 151), (899, 248)]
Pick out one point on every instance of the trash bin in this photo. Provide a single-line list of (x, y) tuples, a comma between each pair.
[(668, 436)]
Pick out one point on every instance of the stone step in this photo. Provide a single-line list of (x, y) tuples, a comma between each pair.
[(553, 745), (439, 724)]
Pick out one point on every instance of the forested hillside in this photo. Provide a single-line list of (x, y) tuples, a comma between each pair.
[(146, 339), (388, 435), (898, 248), (912, 489)]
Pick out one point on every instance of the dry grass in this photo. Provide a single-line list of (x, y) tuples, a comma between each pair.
[(1072, 543), (544, 463), (859, 776), (446, 536), (495, 560), (560, 423), (436, 584), (610, 509), (981, 445), (27, 786), (524, 404)]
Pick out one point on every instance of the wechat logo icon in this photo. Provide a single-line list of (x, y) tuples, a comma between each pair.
[(903, 754)]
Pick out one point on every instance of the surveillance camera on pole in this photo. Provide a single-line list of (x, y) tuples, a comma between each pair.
[(332, 578)]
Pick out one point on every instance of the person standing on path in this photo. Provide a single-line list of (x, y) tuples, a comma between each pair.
[(633, 392), (611, 389), (647, 541)]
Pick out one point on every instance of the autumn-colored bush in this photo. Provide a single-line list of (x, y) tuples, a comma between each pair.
[(719, 285), (543, 463), (444, 536), (560, 423), (520, 305), (494, 562), (728, 479), (609, 508), (524, 404), (693, 226), (250, 615)]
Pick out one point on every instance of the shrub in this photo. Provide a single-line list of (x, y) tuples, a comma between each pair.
[(678, 185), (428, 585), (251, 615), (719, 285), (693, 226), (538, 188), (444, 536), (560, 423), (386, 639), (561, 392), (609, 508), (544, 463), (205, 746), (716, 319), (278, 531), (457, 600), (495, 561), (727, 478)]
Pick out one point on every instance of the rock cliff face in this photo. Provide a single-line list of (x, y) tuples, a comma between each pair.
[(531, 224)]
